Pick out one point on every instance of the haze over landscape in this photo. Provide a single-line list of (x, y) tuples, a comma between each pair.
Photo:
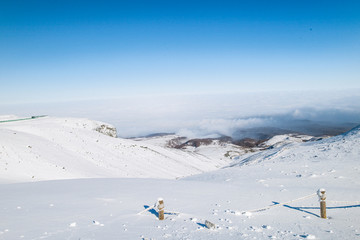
[(218, 107), (211, 114)]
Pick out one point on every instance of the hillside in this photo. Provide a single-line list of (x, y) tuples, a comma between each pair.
[(241, 198), (65, 148)]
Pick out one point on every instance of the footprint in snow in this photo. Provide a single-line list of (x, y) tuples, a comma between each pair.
[(98, 223), (255, 229), (308, 236), (266, 227), (237, 213)]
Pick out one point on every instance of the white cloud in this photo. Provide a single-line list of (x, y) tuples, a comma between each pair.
[(204, 115)]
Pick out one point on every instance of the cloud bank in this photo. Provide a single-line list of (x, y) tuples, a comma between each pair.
[(207, 115)]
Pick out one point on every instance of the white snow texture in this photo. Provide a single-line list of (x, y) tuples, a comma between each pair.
[(64, 178)]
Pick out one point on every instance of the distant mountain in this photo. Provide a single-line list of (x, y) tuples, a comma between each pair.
[(301, 127)]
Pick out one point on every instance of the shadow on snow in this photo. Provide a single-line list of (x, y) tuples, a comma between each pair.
[(302, 209)]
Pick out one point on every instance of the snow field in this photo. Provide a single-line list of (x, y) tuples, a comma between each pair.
[(107, 208)]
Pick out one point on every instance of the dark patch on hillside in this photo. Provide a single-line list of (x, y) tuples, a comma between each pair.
[(246, 142), (195, 143), (260, 133), (249, 142)]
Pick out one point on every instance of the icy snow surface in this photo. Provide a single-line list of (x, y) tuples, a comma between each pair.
[(107, 208)]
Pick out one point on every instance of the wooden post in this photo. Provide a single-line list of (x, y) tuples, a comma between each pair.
[(322, 198), (161, 208)]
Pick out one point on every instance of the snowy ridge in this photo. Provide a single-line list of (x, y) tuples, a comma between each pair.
[(352, 134), (55, 148), (282, 149)]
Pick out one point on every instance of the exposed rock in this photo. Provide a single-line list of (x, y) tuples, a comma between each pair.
[(195, 143), (107, 130), (248, 142)]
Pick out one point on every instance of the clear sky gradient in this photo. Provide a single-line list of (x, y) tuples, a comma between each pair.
[(71, 50)]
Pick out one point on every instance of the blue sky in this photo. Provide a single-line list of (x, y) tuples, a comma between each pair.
[(73, 50)]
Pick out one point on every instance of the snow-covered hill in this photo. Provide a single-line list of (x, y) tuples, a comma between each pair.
[(58, 148), (236, 198), (214, 149)]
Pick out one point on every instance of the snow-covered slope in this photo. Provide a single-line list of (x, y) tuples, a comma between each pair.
[(331, 162), (235, 198), (284, 139), (57, 148), (214, 149), (295, 170)]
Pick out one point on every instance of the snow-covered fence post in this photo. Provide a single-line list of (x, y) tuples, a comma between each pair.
[(161, 208), (322, 198)]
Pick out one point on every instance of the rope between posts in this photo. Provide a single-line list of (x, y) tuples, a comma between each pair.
[(322, 198), (281, 204), (344, 202)]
